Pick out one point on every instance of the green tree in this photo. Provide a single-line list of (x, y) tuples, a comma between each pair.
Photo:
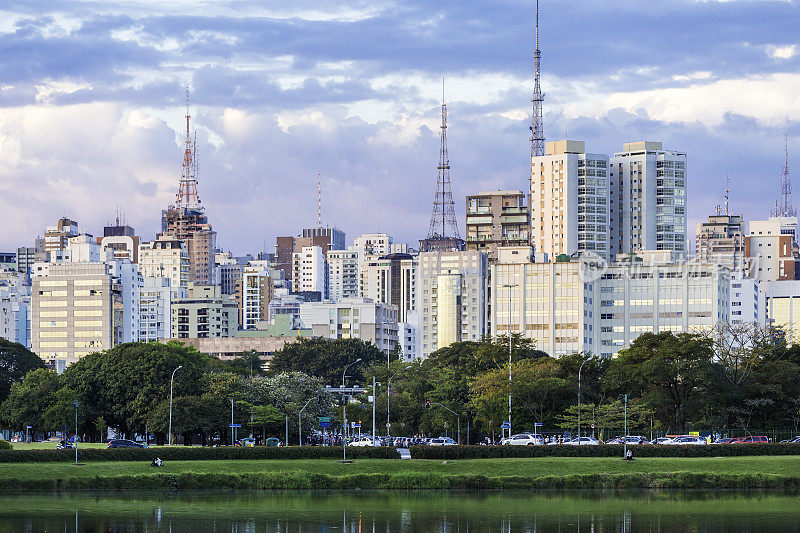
[(191, 415), (15, 362), (326, 358), (30, 399)]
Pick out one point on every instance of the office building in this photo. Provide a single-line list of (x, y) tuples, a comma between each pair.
[(569, 200), (353, 318), (165, 258), (499, 218), (451, 298), (648, 199), (782, 300), (770, 249), (76, 309), (204, 312), (27, 256), (8, 260), (285, 247), (720, 239)]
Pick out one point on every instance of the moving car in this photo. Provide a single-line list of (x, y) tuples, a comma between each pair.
[(124, 443)]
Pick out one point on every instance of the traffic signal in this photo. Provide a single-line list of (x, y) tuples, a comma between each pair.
[(427, 404)]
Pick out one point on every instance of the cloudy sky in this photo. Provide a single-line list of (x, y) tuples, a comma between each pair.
[(92, 101)]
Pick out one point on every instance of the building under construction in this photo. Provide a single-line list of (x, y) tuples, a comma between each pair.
[(187, 221)]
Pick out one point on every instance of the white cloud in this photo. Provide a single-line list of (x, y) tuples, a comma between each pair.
[(782, 52)]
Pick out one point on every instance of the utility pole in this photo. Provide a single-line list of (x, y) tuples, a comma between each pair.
[(374, 397), (509, 286)]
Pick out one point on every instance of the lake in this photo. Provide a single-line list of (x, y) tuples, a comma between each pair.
[(366, 511)]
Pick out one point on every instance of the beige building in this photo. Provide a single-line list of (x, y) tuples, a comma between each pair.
[(254, 292), (76, 309), (191, 226), (770, 249), (569, 200), (203, 313), (720, 239), (499, 218), (56, 237), (391, 280)]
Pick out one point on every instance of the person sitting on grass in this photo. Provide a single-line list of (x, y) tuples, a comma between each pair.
[(157, 462)]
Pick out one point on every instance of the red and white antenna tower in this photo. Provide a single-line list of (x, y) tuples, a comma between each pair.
[(187, 191), (783, 205)]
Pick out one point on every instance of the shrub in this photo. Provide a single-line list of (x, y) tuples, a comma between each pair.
[(5, 445), (186, 453), (607, 450)]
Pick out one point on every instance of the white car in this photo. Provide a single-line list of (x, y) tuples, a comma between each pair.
[(687, 440), (663, 440), (583, 441), (365, 441), (442, 441), (523, 439)]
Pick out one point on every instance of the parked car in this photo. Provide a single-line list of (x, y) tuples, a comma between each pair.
[(724, 440), (583, 441), (272, 442), (687, 440), (791, 441), (523, 439), (442, 441), (752, 439), (247, 442), (124, 443), (365, 441), (662, 440)]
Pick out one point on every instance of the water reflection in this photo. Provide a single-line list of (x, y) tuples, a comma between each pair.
[(362, 512)]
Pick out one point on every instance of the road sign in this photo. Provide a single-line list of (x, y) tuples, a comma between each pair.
[(506, 425), (324, 422), (355, 424), (388, 424), (234, 425), (537, 424)]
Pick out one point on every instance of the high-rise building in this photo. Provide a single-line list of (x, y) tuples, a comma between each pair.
[(309, 271), (204, 312), (15, 308), (187, 221), (451, 298), (56, 237), (373, 244), (343, 274), (165, 258), (27, 256), (121, 240), (498, 218), (770, 249), (390, 279), (569, 200), (285, 247), (254, 292), (155, 308), (720, 239), (353, 318), (648, 199)]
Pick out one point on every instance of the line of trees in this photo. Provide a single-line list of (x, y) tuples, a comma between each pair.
[(739, 377)]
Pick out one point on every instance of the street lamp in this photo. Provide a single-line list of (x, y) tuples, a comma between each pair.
[(76, 432), (170, 402), (300, 420), (509, 286), (458, 417), (388, 390), (344, 411), (579, 399)]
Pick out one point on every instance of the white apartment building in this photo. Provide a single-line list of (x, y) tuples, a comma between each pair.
[(353, 318), (391, 279), (569, 200), (130, 282), (165, 258), (451, 298), (309, 271), (585, 306), (747, 300), (343, 274), (122, 247), (373, 244), (155, 299), (15, 309), (254, 292), (648, 199)]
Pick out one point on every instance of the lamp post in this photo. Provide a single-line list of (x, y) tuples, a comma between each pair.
[(76, 431), (300, 421), (170, 402), (458, 417), (344, 411), (509, 286), (388, 391), (579, 399)]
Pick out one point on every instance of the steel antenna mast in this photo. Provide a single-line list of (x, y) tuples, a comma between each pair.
[(444, 213)]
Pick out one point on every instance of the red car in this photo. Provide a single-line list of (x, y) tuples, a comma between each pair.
[(751, 440)]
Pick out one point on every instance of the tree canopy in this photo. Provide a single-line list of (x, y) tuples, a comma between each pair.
[(15, 362)]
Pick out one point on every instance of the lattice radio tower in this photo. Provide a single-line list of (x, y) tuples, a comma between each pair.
[(444, 213), (537, 126), (187, 191), (783, 205)]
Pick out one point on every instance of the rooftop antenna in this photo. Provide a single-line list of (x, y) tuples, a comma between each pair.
[(727, 194), (783, 206), (443, 205), (187, 191), (319, 199), (537, 127)]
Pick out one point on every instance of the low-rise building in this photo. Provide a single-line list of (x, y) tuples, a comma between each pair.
[(353, 318)]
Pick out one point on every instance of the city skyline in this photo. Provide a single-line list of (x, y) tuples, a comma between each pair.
[(91, 106)]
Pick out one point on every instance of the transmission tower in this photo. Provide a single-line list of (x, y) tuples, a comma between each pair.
[(444, 213), (187, 191), (783, 206), (537, 126)]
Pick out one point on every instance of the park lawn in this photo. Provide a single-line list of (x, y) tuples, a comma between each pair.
[(52, 445), (786, 466)]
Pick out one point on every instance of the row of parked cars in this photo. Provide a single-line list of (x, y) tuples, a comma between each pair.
[(401, 442), (531, 439)]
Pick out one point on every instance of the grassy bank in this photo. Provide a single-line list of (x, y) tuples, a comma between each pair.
[(735, 472)]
